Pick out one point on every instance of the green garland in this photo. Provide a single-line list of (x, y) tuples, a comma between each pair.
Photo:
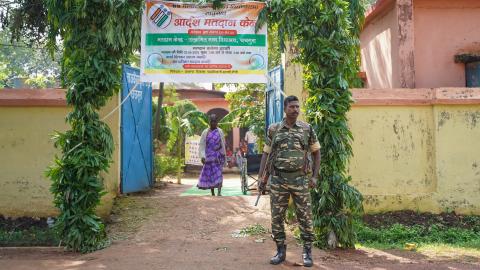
[(97, 37)]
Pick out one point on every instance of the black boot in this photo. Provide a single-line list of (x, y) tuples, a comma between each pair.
[(281, 254), (307, 256)]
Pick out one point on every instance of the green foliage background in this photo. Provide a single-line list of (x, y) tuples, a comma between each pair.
[(177, 122), (170, 96), (183, 119), (20, 60), (325, 34), (29, 237), (247, 110), (168, 165), (98, 36)]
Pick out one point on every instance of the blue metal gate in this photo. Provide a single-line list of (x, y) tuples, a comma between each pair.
[(136, 133), (274, 97)]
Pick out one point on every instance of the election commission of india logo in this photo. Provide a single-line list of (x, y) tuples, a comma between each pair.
[(159, 15)]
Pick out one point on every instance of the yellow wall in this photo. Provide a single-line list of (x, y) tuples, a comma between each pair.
[(457, 133), (423, 158), (25, 152), (412, 157)]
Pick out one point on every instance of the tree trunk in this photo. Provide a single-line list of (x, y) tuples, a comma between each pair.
[(179, 155), (156, 132)]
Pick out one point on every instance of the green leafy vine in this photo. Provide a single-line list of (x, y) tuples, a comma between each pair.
[(326, 36), (97, 37)]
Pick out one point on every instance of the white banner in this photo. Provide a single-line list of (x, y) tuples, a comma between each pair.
[(188, 42), (192, 145)]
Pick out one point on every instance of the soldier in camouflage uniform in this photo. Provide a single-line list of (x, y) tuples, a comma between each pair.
[(285, 161)]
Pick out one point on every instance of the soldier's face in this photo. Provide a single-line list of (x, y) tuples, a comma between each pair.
[(292, 110)]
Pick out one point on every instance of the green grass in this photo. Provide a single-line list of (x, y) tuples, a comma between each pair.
[(167, 165), (446, 250), (29, 237), (397, 235), (254, 230)]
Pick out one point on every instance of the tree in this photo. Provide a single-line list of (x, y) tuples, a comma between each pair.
[(98, 36), (3, 77), (183, 119), (40, 81), (18, 60), (159, 114), (25, 19), (274, 52), (247, 110)]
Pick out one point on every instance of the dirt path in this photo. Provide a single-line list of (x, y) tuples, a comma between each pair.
[(162, 230)]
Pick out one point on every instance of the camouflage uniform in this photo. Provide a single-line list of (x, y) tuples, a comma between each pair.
[(287, 165)]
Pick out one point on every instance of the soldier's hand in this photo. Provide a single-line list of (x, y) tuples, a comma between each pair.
[(313, 182), (263, 183), (261, 186)]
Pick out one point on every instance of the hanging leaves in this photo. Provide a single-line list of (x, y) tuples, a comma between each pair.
[(97, 37), (326, 36)]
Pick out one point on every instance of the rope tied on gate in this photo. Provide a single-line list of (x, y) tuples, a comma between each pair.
[(123, 101), (108, 115)]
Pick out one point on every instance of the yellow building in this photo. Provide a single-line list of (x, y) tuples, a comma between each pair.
[(27, 121)]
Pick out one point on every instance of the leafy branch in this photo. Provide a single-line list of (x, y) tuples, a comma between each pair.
[(325, 35), (97, 37), (247, 110)]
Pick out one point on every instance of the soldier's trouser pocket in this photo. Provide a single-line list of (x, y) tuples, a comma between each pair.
[(279, 195), (301, 197)]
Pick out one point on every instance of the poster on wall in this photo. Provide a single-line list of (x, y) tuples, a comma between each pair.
[(191, 150), (191, 42)]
